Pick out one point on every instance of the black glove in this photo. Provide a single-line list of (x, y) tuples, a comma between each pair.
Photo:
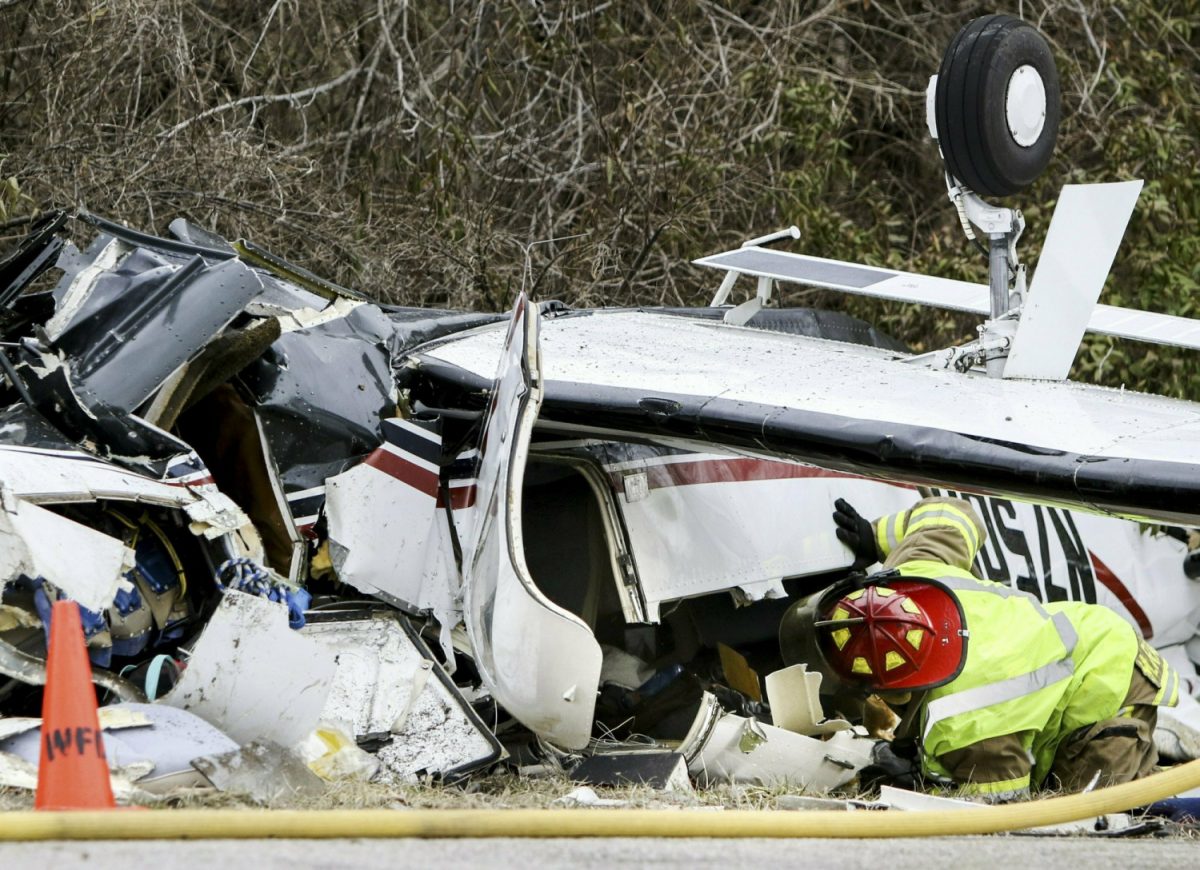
[(856, 533), (892, 764)]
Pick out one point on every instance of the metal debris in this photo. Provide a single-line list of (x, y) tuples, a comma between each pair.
[(389, 690), (665, 771), (264, 771), (254, 677)]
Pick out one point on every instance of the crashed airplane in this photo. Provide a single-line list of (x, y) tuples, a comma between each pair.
[(454, 536)]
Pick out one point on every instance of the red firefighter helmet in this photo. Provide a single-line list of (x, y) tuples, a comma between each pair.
[(892, 634)]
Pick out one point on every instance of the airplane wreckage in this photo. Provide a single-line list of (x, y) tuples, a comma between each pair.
[(412, 543)]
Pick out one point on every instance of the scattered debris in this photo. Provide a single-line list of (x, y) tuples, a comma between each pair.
[(333, 755), (903, 799), (794, 695), (725, 747), (587, 797), (807, 802), (264, 771), (666, 771)]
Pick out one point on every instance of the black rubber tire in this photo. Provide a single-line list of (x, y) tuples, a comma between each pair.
[(969, 105)]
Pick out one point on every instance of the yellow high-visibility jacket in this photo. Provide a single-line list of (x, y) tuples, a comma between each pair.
[(1036, 671)]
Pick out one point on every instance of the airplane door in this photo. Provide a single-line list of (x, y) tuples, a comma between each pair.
[(540, 662)]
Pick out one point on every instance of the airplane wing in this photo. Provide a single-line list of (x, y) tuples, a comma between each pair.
[(662, 377)]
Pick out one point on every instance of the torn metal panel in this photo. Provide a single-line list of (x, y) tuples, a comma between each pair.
[(190, 241), (290, 272), (86, 565), (81, 269), (38, 469), (402, 554), (794, 697), (219, 360), (31, 257), (388, 686), (541, 662), (724, 747), (191, 234), (47, 471), (108, 431), (418, 326), (214, 514), (144, 319), (252, 676), (313, 431)]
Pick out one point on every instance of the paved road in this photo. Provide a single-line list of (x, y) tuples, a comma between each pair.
[(957, 853)]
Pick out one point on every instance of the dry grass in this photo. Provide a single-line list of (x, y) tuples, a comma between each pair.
[(498, 790)]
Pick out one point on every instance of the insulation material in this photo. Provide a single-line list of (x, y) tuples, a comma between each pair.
[(252, 676), (388, 686)]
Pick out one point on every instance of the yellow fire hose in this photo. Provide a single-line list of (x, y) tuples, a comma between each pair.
[(325, 824)]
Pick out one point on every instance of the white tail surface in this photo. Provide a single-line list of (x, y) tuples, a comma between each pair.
[(1081, 243)]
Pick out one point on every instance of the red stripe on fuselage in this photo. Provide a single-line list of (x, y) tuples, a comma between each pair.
[(726, 471), (404, 471), (1111, 582), (419, 478), (460, 497)]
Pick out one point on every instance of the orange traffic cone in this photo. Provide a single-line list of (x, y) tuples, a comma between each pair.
[(72, 772)]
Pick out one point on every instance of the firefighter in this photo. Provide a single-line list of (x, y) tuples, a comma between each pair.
[(1002, 692)]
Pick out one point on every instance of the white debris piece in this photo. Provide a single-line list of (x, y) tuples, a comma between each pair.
[(263, 770), (332, 754), (214, 514), (725, 747), (903, 799), (386, 685), (144, 743), (85, 564), (252, 676), (585, 796), (794, 697)]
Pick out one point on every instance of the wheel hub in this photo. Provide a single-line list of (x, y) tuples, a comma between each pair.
[(1025, 105)]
